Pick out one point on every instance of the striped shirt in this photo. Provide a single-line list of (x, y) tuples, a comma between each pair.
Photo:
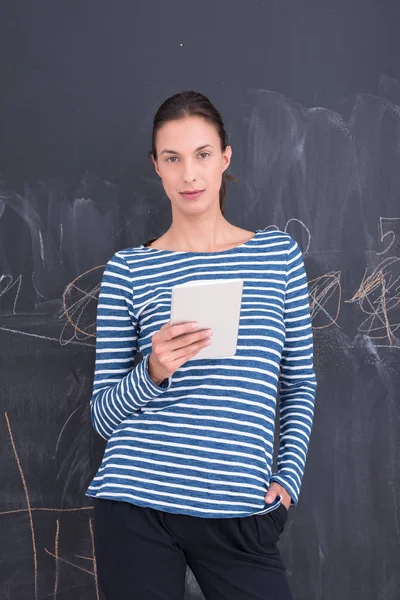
[(201, 442)]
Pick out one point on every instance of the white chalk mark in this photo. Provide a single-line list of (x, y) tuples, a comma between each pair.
[(9, 286), (61, 240), (305, 227), (41, 246), (64, 426), (36, 290)]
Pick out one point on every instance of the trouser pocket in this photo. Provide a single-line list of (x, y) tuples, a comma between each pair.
[(271, 525)]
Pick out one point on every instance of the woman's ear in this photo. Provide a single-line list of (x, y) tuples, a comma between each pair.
[(226, 157), (155, 165)]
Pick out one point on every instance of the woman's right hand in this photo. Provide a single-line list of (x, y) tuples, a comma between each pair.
[(172, 346)]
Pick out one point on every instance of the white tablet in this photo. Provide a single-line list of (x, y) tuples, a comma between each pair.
[(214, 304)]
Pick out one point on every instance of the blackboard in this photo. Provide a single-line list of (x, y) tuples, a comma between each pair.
[(310, 94)]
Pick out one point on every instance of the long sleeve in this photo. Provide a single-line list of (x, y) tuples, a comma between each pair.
[(119, 389), (297, 382)]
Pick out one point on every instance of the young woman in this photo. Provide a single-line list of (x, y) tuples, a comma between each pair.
[(186, 477)]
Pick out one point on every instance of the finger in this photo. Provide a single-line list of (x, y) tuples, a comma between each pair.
[(182, 328), (188, 342), (177, 350), (273, 491)]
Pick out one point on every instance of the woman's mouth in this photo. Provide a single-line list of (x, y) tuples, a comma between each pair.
[(192, 195)]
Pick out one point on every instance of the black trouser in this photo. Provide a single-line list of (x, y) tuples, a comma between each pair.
[(142, 554)]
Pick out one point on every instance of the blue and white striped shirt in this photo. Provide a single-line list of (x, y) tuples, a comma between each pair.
[(201, 442)]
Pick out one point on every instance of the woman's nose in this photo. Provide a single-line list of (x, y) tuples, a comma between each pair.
[(189, 172)]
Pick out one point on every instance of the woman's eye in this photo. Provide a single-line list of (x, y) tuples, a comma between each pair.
[(169, 159)]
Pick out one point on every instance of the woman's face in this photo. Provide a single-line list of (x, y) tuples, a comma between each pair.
[(189, 157)]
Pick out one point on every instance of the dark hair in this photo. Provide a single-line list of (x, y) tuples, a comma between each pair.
[(187, 104)]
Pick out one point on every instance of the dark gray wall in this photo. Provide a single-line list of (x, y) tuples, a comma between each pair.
[(310, 94)]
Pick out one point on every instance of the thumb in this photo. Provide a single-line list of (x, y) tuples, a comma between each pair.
[(273, 491)]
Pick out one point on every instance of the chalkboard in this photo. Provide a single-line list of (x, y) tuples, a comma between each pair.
[(310, 94)]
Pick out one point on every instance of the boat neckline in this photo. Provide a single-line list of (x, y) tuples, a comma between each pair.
[(161, 250)]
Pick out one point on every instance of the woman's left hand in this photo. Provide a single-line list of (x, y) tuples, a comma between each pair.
[(275, 490)]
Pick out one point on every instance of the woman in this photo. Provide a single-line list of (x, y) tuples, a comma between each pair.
[(186, 476)]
